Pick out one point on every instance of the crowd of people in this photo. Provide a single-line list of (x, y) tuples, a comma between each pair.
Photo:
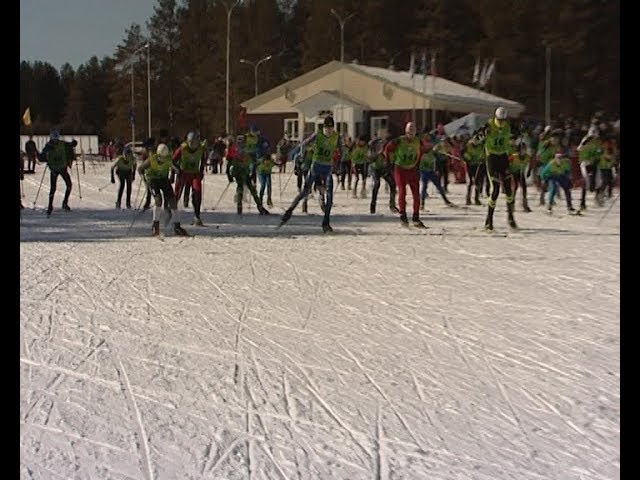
[(502, 155)]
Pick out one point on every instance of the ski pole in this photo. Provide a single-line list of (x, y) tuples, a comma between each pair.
[(41, 180), (608, 209), (104, 186), (221, 196), (138, 192), (78, 172), (139, 211), (286, 183)]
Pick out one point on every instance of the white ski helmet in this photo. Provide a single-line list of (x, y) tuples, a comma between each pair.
[(163, 150), (501, 113), (193, 140), (410, 128)]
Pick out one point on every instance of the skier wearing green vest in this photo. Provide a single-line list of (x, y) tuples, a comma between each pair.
[(497, 147), (327, 150), (124, 167), (59, 156), (156, 169)]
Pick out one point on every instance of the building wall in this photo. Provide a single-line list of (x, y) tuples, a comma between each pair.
[(271, 125), (372, 93)]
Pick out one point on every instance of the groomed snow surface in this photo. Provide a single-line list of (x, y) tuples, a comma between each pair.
[(377, 352)]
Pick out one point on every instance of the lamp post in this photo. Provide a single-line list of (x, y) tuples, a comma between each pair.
[(132, 119), (341, 21), (255, 68), (229, 10), (148, 45)]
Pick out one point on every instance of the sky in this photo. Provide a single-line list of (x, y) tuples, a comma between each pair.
[(377, 352), (73, 31)]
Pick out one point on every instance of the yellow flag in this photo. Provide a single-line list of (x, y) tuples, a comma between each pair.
[(26, 118)]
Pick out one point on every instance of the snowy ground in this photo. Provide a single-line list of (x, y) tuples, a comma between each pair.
[(375, 353)]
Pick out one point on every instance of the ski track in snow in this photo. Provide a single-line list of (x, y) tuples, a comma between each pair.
[(373, 353)]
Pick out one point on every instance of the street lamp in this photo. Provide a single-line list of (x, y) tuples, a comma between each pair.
[(229, 10), (341, 21), (149, 87), (131, 114), (255, 68)]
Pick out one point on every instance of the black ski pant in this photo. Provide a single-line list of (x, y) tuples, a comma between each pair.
[(125, 180), (53, 181)]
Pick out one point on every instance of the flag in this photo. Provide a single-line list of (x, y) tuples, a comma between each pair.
[(490, 70), (26, 118), (483, 74), (412, 65), (434, 72), (476, 72), (423, 64)]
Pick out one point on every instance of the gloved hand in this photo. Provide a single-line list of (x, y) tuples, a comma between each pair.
[(113, 180)]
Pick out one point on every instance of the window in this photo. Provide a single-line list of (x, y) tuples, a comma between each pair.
[(359, 129), (378, 123), (291, 128), (342, 128)]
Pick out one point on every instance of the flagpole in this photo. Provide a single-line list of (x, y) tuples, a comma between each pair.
[(433, 92), (412, 68)]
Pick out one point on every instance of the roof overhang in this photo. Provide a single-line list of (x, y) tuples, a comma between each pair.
[(325, 100)]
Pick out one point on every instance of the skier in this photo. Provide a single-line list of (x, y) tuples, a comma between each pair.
[(265, 165), (406, 152), (155, 170), (124, 165), (497, 135), (429, 172), (474, 156), (189, 157), (519, 162), (558, 172), (589, 152), (381, 168), (32, 154), (59, 156), (359, 164), (327, 150), (238, 169)]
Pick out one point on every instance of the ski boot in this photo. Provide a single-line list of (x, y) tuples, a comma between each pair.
[(65, 206), (326, 228), (155, 228), (49, 210), (372, 208), (262, 210), (118, 206), (511, 220), (239, 207), (197, 221), (179, 231), (285, 217), (403, 220), (269, 202), (488, 223), (415, 220)]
